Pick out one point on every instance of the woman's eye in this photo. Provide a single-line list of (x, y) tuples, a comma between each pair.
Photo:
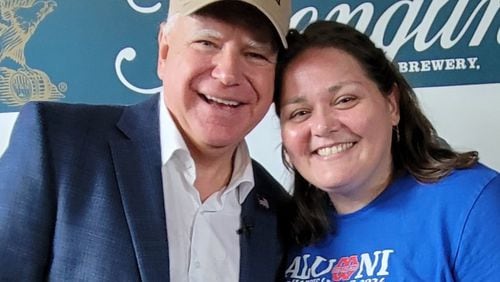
[(346, 101), (299, 114)]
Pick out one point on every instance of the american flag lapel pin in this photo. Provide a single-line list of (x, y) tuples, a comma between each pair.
[(263, 202)]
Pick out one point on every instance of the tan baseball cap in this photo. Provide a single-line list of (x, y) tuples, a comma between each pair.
[(277, 11)]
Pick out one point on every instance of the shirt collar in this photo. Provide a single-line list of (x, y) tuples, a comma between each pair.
[(170, 137), (171, 142)]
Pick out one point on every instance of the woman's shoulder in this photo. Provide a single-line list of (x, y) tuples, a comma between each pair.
[(461, 186), (478, 175)]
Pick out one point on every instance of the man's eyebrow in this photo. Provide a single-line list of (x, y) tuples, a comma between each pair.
[(260, 45), (253, 43), (207, 32)]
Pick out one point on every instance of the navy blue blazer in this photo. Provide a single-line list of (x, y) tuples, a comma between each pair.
[(81, 199)]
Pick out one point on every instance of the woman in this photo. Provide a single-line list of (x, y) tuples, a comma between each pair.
[(379, 196)]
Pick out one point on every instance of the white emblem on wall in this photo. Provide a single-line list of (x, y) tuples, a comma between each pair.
[(129, 53), (144, 10)]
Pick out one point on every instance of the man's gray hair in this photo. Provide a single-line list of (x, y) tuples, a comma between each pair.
[(168, 23)]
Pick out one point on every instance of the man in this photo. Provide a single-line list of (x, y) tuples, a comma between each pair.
[(160, 191)]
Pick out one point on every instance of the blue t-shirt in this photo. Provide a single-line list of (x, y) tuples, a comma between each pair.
[(444, 231)]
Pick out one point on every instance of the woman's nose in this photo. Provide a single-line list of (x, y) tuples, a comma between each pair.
[(323, 124)]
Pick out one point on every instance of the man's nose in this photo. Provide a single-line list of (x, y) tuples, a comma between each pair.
[(227, 67)]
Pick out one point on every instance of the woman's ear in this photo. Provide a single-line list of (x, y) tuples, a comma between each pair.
[(393, 101)]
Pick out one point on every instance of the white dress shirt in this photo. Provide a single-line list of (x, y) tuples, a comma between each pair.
[(202, 237)]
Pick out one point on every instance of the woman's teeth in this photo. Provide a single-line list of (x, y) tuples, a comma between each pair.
[(324, 152)]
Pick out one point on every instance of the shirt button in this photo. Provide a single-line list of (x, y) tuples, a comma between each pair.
[(197, 264)]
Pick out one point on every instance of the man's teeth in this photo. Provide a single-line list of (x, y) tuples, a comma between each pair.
[(324, 152), (222, 101)]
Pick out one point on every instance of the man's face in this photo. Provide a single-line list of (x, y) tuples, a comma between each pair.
[(218, 79)]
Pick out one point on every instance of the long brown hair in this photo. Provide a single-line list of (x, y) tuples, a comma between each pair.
[(416, 147)]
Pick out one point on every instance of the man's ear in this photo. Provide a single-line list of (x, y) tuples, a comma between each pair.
[(393, 101), (162, 51)]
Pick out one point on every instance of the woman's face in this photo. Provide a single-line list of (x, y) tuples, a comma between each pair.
[(336, 125)]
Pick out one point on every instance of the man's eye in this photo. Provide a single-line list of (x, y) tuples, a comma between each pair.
[(258, 58), (205, 44)]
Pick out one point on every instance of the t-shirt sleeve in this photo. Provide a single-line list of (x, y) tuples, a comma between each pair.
[(478, 257)]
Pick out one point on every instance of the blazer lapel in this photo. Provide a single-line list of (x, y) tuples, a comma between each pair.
[(247, 259), (137, 160), (260, 248), (260, 251)]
